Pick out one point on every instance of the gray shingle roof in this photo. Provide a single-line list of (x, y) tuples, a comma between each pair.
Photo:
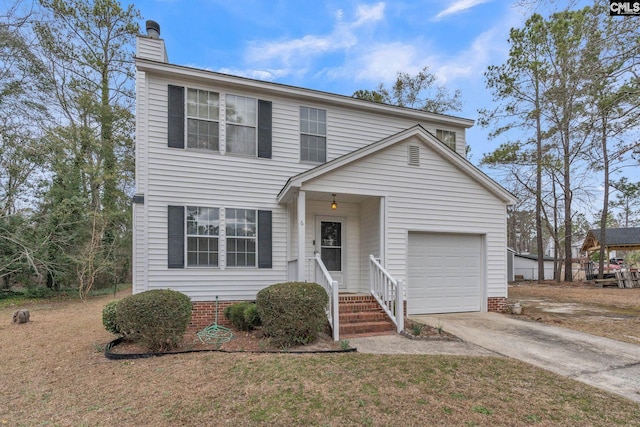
[(619, 236)]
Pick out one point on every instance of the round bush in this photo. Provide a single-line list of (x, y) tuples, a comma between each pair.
[(157, 319), (109, 318), (243, 315), (292, 313)]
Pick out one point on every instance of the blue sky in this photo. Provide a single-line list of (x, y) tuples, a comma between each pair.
[(342, 46)]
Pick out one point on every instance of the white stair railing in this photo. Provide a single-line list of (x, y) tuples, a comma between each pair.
[(324, 279), (387, 291)]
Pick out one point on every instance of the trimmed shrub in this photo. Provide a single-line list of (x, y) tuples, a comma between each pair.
[(243, 315), (292, 313), (109, 318), (157, 319), (251, 316)]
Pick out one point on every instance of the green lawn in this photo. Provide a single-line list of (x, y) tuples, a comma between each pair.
[(53, 373)]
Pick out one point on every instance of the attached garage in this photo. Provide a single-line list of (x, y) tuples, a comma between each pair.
[(445, 273)]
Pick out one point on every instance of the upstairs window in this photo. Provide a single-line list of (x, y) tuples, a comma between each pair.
[(194, 121), (448, 137), (313, 135), (241, 125), (203, 112)]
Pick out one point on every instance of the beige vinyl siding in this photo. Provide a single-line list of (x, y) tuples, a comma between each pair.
[(347, 130), (370, 242), (153, 49), (434, 197), (187, 177), (140, 233)]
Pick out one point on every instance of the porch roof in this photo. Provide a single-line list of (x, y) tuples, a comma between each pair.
[(297, 182), (615, 239)]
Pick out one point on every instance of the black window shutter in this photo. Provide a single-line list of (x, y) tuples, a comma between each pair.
[(175, 226), (264, 239), (175, 121), (264, 129)]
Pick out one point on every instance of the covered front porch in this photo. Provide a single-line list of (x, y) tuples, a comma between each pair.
[(338, 240)]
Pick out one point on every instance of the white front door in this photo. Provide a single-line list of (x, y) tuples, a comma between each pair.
[(331, 244)]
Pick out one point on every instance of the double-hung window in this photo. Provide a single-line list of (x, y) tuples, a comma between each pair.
[(313, 135), (205, 235), (203, 231), (241, 229), (448, 137), (241, 125), (217, 122), (203, 114)]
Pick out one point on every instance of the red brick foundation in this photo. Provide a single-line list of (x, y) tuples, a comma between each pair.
[(204, 313), (497, 304)]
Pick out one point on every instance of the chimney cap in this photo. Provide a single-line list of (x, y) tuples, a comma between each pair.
[(153, 29)]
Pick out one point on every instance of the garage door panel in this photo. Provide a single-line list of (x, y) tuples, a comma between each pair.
[(445, 273)]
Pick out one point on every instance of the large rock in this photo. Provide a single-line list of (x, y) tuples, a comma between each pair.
[(21, 316)]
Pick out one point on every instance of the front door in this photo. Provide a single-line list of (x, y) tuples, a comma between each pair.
[(330, 243)]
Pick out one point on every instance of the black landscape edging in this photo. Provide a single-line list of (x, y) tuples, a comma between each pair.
[(124, 356)]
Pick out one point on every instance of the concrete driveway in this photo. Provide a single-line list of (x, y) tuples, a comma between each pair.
[(610, 365)]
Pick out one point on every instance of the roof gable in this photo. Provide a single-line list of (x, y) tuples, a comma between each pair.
[(415, 132)]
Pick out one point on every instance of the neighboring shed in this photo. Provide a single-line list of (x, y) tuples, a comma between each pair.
[(527, 267), (616, 239)]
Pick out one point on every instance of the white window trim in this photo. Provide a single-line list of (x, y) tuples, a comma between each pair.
[(452, 132), (300, 133), (187, 117), (222, 124), (187, 235), (222, 239), (226, 122)]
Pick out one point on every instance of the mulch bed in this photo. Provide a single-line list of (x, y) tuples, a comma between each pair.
[(419, 331), (256, 342)]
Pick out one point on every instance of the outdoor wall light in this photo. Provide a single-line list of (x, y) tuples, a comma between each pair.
[(334, 205)]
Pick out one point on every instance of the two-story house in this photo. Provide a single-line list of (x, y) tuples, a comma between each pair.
[(243, 183)]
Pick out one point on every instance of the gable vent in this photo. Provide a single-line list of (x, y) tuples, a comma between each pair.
[(413, 154)]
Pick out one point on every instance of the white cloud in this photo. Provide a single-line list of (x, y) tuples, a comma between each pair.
[(489, 47), (369, 13), (373, 63), (262, 74), (458, 7), (297, 52)]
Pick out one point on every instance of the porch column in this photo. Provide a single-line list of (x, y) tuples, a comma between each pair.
[(302, 262)]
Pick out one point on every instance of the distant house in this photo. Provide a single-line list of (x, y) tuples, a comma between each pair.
[(244, 183), (526, 265), (576, 245)]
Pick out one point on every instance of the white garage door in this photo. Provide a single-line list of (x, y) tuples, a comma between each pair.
[(445, 273)]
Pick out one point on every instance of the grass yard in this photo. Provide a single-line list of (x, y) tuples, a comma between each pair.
[(608, 312), (54, 374)]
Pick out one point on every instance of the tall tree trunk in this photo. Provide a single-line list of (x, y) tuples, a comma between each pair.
[(568, 223), (539, 236), (605, 199)]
